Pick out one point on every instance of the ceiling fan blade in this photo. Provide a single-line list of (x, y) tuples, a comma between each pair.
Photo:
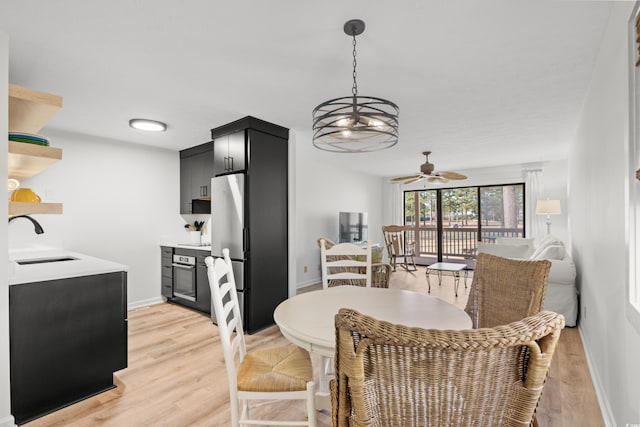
[(438, 178), (452, 175), (404, 178), (415, 179)]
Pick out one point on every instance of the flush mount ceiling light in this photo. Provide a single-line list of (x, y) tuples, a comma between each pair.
[(355, 124), (148, 125)]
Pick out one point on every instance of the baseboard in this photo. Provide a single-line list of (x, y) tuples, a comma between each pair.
[(308, 283), (142, 303), (7, 421), (605, 408)]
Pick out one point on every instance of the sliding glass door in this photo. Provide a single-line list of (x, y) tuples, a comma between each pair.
[(446, 224)]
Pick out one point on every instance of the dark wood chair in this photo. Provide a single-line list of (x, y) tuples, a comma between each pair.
[(398, 248)]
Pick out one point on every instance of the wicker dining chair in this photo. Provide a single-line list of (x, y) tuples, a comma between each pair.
[(394, 375), (380, 272), (504, 290), (280, 373)]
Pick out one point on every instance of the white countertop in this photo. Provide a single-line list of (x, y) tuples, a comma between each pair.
[(187, 246), (82, 265)]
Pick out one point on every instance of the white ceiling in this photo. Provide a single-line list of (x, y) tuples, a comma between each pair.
[(479, 83)]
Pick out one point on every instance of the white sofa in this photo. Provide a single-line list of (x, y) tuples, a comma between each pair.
[(562, 295)]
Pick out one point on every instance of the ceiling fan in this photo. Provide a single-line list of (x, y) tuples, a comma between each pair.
[(427, 172)]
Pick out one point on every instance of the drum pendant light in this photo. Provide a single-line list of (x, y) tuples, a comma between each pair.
[(355, 124)]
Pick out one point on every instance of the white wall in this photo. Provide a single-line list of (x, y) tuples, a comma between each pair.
[(119, 199), (6, 420), (597, 176), (322, 191)]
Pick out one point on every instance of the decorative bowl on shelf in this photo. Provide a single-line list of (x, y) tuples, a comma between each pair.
[(24, 195)]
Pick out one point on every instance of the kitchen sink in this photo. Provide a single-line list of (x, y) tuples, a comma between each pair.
[(45, 260)]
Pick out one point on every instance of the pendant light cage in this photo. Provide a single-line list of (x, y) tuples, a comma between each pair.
[(355, 124)]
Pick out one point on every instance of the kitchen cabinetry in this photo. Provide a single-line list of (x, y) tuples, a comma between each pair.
[(166, 276), (196, 275), (261, 246), (196, 171), (229, 153), (29, 111), (67, 337)]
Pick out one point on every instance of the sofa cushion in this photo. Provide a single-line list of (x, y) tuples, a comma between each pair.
[(505, 251), (517, 241)]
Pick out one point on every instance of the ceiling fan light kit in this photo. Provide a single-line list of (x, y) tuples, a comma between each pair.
[(355, 124), (427, 172)]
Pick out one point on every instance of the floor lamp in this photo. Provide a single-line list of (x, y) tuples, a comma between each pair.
[(548, 207)]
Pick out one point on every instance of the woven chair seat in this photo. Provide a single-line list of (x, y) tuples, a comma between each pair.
[(286, 368)]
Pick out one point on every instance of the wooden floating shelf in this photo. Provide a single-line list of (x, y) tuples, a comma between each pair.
[(25, 208), (26, 160), (30, 110)]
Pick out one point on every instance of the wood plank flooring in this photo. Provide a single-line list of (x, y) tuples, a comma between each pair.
[(176, 375)]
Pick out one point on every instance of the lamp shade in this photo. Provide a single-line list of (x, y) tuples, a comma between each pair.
[(548, 207)]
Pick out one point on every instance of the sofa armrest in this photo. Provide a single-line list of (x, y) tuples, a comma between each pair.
[(562, 272)]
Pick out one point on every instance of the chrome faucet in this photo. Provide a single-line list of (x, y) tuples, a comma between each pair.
[(36, 224)]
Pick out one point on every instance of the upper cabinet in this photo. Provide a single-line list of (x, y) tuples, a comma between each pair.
[(229, 153), (196, 171), (29, 111)]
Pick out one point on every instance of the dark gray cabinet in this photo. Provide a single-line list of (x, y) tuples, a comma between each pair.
[(196, 171), (265, 165), (203, 292), (67, 337), (166, 276), (229, 153)]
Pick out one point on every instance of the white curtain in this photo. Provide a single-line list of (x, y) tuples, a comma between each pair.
[(534, 190), (397, 211)]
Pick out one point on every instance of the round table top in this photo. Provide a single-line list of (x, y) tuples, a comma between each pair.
[(308, 319)]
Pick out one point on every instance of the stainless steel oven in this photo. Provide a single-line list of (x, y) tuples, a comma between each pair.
[(184, 277)]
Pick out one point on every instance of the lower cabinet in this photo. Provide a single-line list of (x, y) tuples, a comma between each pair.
[(195, 280), (67, 337)]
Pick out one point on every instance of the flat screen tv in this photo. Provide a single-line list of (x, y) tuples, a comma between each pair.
[(353, 227)]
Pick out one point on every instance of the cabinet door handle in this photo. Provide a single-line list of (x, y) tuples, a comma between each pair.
[(205, 190), (231, 167)]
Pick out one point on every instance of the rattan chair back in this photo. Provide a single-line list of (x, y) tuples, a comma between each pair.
[(504, 290), (394, 375)]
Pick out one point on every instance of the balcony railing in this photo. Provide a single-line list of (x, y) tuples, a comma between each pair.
[(456, 241)]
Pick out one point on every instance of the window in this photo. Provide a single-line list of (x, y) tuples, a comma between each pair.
[(447, 224)]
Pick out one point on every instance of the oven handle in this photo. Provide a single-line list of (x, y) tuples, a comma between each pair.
[(186, 267)]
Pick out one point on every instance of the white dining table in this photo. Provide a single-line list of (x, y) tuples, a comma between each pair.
[(307, 319)]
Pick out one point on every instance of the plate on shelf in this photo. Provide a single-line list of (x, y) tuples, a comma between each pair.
[(28, 137)]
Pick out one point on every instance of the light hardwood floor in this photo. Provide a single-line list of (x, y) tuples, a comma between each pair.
[(176, 375)]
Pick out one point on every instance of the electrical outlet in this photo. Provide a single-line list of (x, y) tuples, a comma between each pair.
[(305, 268), (584, 312)]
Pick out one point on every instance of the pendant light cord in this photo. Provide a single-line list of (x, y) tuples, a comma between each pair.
[(354, 89)]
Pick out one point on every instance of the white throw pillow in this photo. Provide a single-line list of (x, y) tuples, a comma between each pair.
[(551, 252), (517, 241), (505, 251)]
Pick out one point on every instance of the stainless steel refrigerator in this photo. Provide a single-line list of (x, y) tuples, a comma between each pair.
[(227, 227), (258, 265)]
